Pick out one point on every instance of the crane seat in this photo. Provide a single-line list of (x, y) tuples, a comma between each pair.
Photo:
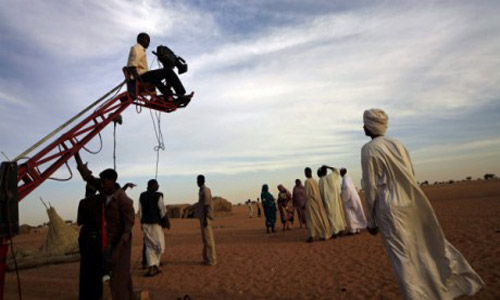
[(137, 87)]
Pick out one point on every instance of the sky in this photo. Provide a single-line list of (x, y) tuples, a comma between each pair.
[(279, 86)]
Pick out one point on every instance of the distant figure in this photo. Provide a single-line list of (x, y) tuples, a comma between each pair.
[(285, 207), (299, 202), (151, 210), (119, 219), (90, 242), (205, 213), (329, 187), (426, 265), (138, 64), (317, 222), (355, 216), (250, 208), (269, 206), (259, 213)]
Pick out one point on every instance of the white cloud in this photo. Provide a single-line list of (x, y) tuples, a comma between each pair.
[(93, 29), (297, 88)]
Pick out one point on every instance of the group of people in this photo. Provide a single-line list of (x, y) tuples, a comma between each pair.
[(328, 208), (426, 265), (106, 216)]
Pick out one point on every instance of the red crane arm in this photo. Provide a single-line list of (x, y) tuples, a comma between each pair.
[(42, 165)]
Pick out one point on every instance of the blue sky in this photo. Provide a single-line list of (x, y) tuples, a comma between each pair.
[(280, 85)]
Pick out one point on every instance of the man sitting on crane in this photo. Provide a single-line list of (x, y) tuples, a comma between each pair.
[(138, 66)]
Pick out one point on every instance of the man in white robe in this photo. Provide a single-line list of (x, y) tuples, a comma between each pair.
[(329, 188), (355, 216), (426, 265), (316, 220), (151, 211)]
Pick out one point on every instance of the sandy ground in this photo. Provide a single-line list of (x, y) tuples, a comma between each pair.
[(256, 265)]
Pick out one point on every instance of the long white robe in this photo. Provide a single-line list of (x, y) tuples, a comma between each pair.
[(426, 265), (355, 216), (316, 219), (329, 187), (154, 237)]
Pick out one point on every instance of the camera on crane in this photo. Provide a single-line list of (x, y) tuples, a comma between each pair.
[(168, 59)]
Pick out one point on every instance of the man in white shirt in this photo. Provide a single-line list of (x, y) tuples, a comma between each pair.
[(138, 65)]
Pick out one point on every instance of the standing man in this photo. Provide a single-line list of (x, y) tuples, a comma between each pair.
[(355, 216), (119, 219), (426, 265), (205, 213), (138, 66), (250, 208), (317, 222), (90, 242), (151, 211), (329, 188)]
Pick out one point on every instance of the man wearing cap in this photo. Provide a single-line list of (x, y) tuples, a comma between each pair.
[(426, 265)]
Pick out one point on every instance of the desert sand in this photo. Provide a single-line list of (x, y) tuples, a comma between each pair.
[(256, 265)]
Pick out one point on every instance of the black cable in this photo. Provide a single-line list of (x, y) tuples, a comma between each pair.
[(94, 152), (67, 166)]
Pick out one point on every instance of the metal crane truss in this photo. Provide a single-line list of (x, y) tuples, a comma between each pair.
[(42, 165)]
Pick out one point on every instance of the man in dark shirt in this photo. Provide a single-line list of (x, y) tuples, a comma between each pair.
[(90, 219), (152, 210)]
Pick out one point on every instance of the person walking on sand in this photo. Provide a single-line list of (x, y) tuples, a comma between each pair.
[(269, 206), (355, 216), (285, 207), (317, 222), (151, 211), (250, 208), (426, 265), (329, 187), (299, 201), (205, 212)]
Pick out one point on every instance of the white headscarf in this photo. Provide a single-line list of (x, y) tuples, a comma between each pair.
[(376, 120)]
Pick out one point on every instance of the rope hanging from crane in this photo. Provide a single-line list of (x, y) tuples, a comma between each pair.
[(156, 119)]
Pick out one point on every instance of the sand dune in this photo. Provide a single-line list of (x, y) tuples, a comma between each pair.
[(256, 265)]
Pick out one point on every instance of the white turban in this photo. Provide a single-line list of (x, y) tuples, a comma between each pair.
[(375, 121)]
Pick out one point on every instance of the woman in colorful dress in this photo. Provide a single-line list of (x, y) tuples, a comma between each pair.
[(269, 205)]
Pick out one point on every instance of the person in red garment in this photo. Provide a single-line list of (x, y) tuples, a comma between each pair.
[(119, 219)]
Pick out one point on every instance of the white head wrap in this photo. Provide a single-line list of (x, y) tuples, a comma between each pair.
[(376, 121)]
